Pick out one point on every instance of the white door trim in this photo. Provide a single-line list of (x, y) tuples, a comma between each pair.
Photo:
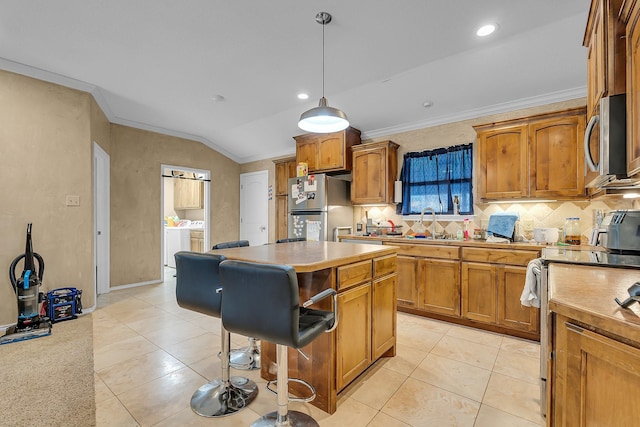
[(101, 220), (207, 206)]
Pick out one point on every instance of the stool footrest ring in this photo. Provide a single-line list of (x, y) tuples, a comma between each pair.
[(294, 399)]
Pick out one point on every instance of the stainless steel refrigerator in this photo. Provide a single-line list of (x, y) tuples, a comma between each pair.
[(319, 207)]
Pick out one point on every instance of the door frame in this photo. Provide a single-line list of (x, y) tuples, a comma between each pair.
[(265, 175), (207, 206), (101, 220)]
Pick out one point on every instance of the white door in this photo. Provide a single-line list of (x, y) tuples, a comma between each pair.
[(101, 218), (254, 207)]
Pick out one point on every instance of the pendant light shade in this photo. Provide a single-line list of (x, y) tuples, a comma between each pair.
[(323, 119)]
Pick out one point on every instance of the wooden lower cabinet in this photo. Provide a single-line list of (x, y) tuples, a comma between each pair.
[(511, 313), (383, 315), (353, 334), (408, 282), (440, 292), (597, 378), (491, 294), (197, 241), (479, 292)]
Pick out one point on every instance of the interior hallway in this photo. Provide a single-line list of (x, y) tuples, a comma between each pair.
[(151, 355)]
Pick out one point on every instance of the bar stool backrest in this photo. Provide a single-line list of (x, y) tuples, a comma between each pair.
[(197, 278)]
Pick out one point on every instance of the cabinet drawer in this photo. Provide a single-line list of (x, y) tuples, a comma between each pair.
[(353, 274), (499, 256), (429, 251), (384, 265)]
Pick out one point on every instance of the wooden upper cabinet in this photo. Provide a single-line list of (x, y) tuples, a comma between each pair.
[(502, 151), (631, 15), (327, 152), (606, 62), (375, 168), (188, 193), (533, 157), (556, 153), (285, 169)]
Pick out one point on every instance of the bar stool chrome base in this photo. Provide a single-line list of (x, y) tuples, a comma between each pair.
[(246, 358), (217, 399), (293, 419)]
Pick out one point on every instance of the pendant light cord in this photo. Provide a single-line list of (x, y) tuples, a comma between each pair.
[(323, 25)]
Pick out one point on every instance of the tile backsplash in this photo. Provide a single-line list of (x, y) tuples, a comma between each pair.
[(549, 214)]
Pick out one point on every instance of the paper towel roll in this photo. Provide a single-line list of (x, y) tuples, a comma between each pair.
[(397, 192)]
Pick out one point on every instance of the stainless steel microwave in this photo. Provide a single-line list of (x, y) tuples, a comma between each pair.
[(605, 150)]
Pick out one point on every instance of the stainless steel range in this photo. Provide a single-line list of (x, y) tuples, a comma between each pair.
[(602, 258)]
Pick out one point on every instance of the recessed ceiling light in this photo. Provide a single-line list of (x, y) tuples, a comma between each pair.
[(303, 96), (427, 104), (217, 98), (631, 196), (485, 30)]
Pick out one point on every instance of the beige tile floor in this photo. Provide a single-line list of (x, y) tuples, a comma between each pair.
[(151, 355)]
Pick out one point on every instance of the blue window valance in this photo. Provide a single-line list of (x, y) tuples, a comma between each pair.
[(432, 178)]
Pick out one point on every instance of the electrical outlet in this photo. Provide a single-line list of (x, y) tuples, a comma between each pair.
[(73, 200)]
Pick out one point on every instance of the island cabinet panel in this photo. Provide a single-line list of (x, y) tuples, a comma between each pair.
[(352, 274), (383, 316), (479, 292), (597, 378), (353, 334)]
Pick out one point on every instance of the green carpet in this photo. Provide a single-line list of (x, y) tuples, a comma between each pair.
[(48, 381)]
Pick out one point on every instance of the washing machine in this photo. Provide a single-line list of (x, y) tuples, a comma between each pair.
[(176, 239)]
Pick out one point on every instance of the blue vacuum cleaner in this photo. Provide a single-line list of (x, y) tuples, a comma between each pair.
[(31, 324)]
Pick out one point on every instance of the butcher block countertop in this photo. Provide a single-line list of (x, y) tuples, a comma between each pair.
[(307, 256), (586, 294)]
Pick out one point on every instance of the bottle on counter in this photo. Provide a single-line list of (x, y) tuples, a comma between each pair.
[(466, 229), (456, 205), (572, 231)]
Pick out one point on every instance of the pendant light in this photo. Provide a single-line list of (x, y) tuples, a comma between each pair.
[(323, 119)]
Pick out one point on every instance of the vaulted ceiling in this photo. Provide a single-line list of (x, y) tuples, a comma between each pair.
[(163, 65)]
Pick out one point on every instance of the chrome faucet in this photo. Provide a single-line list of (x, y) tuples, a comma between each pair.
[(433, 220)]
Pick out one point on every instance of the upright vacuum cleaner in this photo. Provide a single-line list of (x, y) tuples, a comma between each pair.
[(31, 324)]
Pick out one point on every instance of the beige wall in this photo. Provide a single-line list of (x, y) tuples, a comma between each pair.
[(46, 145), (136, 209), (45, 155)]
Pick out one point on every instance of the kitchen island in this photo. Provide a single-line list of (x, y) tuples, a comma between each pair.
[(366, 280), (594, 356)]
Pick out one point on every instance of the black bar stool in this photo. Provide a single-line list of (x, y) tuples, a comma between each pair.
[(245, 358), (198, 288), (262, 300), (292, 239)]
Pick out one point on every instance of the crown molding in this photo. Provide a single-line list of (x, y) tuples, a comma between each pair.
[(534, 101)]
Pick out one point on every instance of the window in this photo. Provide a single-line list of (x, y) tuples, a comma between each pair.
[(432, 178)]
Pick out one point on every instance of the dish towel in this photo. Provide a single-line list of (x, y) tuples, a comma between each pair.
[(531, 293), (502, 224)]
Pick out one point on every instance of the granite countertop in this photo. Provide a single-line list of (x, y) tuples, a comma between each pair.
[(586, 294), (399, 240)]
